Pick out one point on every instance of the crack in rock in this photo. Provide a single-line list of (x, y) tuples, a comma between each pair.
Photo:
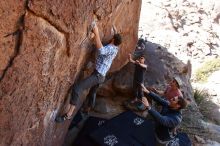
[(19, 39), (58, 28)]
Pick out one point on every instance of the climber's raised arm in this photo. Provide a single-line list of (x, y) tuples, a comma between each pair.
[(98, 42)]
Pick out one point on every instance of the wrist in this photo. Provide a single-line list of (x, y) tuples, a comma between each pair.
[(147, 92), (148, 107)]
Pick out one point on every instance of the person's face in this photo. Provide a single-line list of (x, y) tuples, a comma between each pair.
[(174, 102), (142, 59), (173, 84)]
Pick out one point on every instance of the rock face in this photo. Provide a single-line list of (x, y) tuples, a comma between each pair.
[(188, 28), (42, 53)]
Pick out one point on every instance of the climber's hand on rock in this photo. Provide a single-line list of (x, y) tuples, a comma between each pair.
[(91, 35)]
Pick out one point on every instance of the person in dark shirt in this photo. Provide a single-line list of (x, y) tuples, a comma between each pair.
[(140, 68), (168, 119)]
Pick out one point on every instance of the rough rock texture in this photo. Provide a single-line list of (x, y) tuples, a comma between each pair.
[(41, 56), (188, 28), (11, 19)]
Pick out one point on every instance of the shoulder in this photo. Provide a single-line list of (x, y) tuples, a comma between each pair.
[(111, 46), (114, 48)]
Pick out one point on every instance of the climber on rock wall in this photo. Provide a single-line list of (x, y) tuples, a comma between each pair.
[(106, 55)]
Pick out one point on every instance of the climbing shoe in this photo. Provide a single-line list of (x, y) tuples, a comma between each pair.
[(62, 118)]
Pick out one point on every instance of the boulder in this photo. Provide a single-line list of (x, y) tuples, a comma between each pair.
[(175, 24), (43, 51)]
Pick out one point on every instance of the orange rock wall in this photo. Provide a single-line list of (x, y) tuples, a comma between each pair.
[(41, 56)]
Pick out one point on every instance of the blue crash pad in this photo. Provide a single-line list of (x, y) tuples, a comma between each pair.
[(145, 135), (91, 124), (184, 139), (121, 127)]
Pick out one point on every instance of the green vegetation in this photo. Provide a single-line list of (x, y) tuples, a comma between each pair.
[(200, 95), (207, 69), (206, 106)]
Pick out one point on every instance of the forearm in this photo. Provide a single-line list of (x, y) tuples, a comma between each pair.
[(158, 99), (159, 92), (143, 65), (98, 42), (163, 120), (156, 115), (132, 61)]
